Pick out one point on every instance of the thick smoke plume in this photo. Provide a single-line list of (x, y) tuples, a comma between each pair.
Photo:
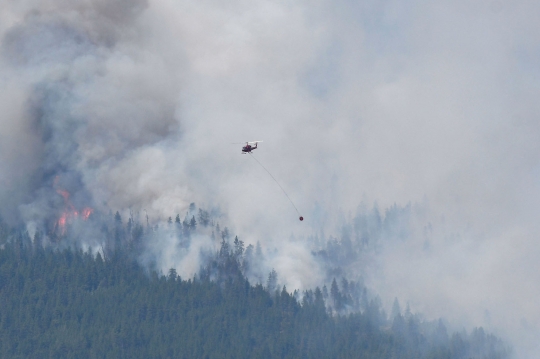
[(88, 108), (131, 106)]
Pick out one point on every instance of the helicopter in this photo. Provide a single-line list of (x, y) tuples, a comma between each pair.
[(248, 147)]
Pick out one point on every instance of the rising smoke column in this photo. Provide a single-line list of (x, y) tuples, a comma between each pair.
[(84, 98)]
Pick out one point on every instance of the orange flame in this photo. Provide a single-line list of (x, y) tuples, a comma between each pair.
[(70, 212), (86, 213)]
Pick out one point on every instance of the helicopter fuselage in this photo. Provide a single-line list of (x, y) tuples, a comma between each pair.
[(248, 148)]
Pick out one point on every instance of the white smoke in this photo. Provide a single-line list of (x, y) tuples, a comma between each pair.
[(134, 104)]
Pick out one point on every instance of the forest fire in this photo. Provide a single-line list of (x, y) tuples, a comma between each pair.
[(70, 212)]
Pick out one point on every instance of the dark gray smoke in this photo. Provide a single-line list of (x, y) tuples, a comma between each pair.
[(82, 100)]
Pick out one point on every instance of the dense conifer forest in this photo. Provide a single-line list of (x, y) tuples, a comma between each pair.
[(70, 303)]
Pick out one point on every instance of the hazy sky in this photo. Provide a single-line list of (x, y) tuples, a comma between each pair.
[(135, 104)]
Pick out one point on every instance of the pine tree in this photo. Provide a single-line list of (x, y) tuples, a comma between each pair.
[(271, 283), (204, 218), (172, 274), (336, 296), (238, 248), (248, 259), (396, 310), (225, 234), (71, 304), (186, 230)]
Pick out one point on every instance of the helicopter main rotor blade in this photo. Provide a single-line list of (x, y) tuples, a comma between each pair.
[(241, 143)]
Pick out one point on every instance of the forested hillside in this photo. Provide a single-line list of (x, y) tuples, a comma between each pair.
[(74, 304)]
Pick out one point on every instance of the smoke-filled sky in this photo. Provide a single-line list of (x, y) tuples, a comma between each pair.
[(135, 104)]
